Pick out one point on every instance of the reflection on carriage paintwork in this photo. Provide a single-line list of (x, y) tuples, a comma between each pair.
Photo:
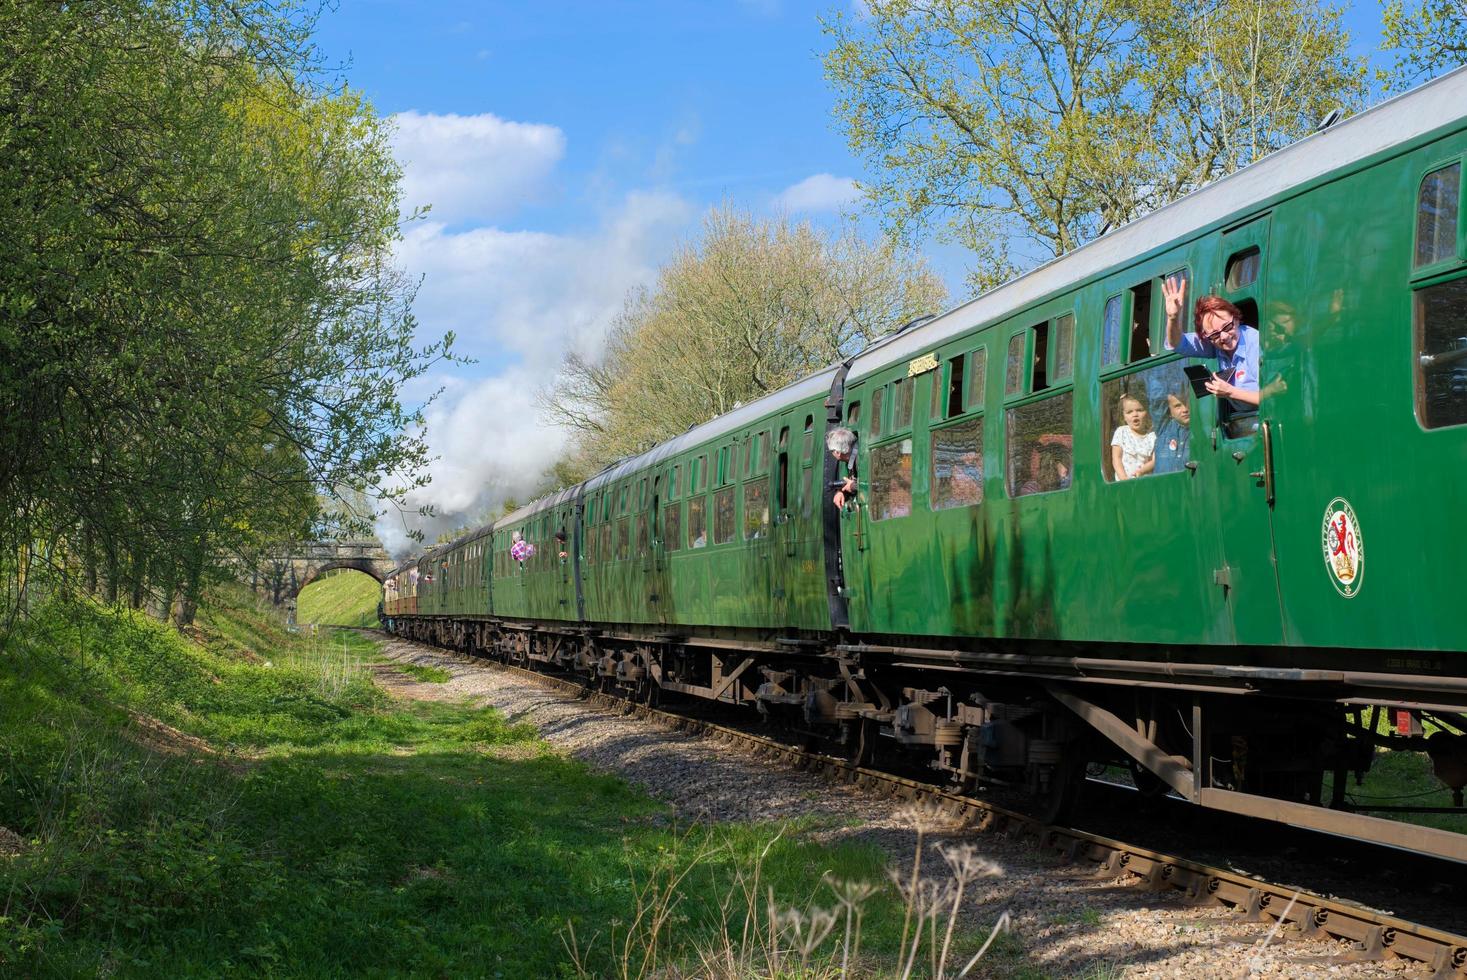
[(1040, 446), (957, 465), (891, 480)]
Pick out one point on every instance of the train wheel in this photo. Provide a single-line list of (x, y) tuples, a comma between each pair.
[(1066, 780), (1147, 783), (861, 745)]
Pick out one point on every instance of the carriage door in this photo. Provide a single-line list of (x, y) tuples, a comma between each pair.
[(655, 563), (784, 542), (1244, 459), (565, 586)]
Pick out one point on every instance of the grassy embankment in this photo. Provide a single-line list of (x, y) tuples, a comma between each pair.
[(343, 598), (247, 800)]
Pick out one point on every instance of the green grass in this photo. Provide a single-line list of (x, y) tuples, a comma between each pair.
[(1402, 779), (327, 830), (342, 598), (430, 675)]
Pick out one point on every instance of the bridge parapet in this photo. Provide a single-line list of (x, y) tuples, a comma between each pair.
[(283, 571)]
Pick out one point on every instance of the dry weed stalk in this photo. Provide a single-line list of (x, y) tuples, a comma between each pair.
[(780, 941)]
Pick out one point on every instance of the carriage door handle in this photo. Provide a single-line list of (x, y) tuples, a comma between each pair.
[(1266, 474)]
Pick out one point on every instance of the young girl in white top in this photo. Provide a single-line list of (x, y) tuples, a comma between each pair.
[(1133, 447)]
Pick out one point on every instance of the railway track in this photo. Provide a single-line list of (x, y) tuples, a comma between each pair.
[(1374, 935)]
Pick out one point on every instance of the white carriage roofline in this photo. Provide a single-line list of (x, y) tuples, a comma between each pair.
[(1398, 120)]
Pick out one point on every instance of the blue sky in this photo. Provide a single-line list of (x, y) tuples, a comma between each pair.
[(567, 148)]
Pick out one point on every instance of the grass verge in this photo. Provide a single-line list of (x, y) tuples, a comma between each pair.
[(246, 801), (341, 598)]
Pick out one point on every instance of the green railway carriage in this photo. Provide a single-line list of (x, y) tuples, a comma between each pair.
[(1232, 625)]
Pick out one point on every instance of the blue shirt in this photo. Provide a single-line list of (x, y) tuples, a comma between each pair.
[(1243, 361), (1172, 445)]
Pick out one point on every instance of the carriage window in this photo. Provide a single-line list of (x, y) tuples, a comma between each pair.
[(641, 534), (1156, 437), (623, 536), (891, 480), (1140, 347), (697, 522), (954, 392), (1436, 215), (853, 414), (606, 553), (977, 378), (756, 509), (1441, 354), (700, 468), (1039, 366), (1243, 268), (807, 448), (672, 526), (877, 397), (677, 481), (1014, 376), (723, 516), (748, 457), (939, 395), (782, 473), (901, 403), (761, 452), (1039, 444), (957, 465), (1110, 342), (1064, 348)]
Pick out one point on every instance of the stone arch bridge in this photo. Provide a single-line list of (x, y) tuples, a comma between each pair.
[(283, 571)]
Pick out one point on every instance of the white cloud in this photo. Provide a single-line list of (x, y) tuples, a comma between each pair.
[(519, 301), (819, 192), (472, 168), (534, 295), (490, 447)]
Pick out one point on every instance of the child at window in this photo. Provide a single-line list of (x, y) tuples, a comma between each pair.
[(1175, 434), (1133, 446)]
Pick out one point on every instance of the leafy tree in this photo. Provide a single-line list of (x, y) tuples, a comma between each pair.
[(199, 325), (1025, 128), (751, 307), (1428, 38)]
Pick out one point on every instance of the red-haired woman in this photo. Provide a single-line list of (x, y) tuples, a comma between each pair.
[(1221, 333)]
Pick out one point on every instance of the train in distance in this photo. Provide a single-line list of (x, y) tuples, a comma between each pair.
[(1094, 522)]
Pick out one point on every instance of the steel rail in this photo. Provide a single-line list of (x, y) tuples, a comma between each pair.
[(1375, 935)]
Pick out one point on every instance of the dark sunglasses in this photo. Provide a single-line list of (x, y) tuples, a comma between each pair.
[(1228, 327)]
